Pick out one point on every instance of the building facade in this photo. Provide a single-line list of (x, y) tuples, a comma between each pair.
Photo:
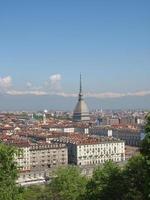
[(85, 150), (40, 156), (45, 156), (131, 137)]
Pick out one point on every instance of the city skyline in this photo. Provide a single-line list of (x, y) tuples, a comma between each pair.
[(45, 46)]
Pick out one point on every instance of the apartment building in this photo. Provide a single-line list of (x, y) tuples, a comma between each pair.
[(131, 137), (23, 156), (88, 150), (43, 156), (39, 156), (36, 162)]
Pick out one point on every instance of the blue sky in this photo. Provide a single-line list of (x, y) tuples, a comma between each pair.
[(45, 44)]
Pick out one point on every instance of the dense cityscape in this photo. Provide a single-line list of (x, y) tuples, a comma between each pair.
[(49, 140), (75, 100), (49, 144)]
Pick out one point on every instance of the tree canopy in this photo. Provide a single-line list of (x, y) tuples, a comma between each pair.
[(145, 151), (106, 183), (68, 184), (8, 174)]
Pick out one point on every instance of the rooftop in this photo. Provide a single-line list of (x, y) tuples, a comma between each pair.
[(86, 140)]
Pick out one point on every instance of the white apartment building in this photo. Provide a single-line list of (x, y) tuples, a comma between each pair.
[(86, 150), (88, 154)]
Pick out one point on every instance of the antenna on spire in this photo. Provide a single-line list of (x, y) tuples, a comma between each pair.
[(80, 83), (80, 92)]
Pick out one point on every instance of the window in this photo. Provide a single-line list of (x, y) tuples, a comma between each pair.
[(49, 166)]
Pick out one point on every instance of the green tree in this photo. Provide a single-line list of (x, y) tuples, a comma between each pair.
[(135, 178), (68, 184), (137, 170), (145, 147), (145, 151), (106, 183), (8, 174), (36, 192)]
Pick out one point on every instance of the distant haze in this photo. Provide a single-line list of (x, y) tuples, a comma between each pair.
[(35, 103)]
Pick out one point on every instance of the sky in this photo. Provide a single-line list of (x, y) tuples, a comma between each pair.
[(45, 45)]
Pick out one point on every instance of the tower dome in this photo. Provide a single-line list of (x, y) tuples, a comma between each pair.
[(81, 111)]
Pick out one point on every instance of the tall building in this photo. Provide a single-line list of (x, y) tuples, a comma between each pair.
[(81, 111)]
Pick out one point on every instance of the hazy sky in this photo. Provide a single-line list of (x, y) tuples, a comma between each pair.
[(45, 44)]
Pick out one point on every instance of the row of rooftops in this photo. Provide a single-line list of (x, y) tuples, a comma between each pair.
[(79, 139), (47, 146), (14, 123), (24, 140), (20, 143), (17, 128), (9, 120), (117, 128)]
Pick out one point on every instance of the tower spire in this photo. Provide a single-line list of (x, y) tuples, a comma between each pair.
[(80, 92), (81, 111), (80, 83)]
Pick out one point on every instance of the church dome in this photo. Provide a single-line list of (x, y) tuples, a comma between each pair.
[(81, 107)]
